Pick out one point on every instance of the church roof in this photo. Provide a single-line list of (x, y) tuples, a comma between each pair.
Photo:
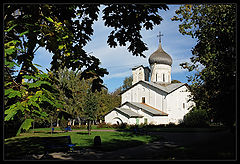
[(142, 67), (165, 88), (160, 57), (147, 108), (128, 112)]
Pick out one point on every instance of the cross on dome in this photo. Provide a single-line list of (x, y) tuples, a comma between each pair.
[(159, 36)]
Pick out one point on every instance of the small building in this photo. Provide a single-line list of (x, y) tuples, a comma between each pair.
[(157, 101)]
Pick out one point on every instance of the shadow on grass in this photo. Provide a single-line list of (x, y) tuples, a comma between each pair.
[(82, 133), (116, 144), (19, 148)]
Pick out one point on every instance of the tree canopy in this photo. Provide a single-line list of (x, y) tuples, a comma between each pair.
[(63, 30), (213, 86)]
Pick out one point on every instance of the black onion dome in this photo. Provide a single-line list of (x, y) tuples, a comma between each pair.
[(160, 57)]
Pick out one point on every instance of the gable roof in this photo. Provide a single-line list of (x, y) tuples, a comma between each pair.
[(146, 108), (126, 112), (165, 88), (141, 66)]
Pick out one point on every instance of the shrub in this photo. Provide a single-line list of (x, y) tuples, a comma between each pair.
[(104, 125), (171, 125), (196, 118), (79, 127)]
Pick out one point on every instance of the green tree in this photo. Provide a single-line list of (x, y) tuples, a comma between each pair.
[(127, 83), (72, 91), (213, 86), (90, 108), (175, 81)]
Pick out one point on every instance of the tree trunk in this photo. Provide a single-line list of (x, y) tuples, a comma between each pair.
[(89, 127), (33, 125), (57, 122), (51, 125)]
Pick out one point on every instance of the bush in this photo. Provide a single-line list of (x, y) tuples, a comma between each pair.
[(79, 126), (104, 125), (196, 118)]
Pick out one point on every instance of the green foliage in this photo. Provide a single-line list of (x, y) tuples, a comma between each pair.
[(26, 98), (65, 29), (127, 83), (127, 21), (90, 106), (25, 126), (63, 123), (214, 57), (76, 94), (175, 81), (196, 118)]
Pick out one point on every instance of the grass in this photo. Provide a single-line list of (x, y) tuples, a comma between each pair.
[(34, 143)]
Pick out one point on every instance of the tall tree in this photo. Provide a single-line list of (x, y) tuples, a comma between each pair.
[(214, 86), (90, 108)]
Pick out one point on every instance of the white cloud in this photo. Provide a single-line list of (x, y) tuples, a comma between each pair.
[(120, 74)]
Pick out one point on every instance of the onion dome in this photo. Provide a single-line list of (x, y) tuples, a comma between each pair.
[(160, 57)]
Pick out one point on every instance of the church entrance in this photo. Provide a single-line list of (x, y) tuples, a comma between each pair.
[(117, 121)]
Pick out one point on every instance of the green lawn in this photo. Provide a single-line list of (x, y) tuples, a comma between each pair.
[(33, 143)]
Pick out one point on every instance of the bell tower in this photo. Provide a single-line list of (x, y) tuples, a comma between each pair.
[(140, 73)]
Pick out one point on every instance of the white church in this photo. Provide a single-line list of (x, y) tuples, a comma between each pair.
[(157, 101)]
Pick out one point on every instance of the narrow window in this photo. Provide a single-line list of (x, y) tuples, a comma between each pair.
[(143, 99), (156, 77), (163, 77), (145, 120), (183, 105)]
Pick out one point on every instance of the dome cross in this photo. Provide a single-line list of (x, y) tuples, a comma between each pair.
[(159, 36)]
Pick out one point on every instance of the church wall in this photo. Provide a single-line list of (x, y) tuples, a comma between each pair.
[(176, 109), (153, 96), (161, 120)]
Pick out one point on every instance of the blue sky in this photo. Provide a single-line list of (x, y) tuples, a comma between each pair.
[(119, 62)]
